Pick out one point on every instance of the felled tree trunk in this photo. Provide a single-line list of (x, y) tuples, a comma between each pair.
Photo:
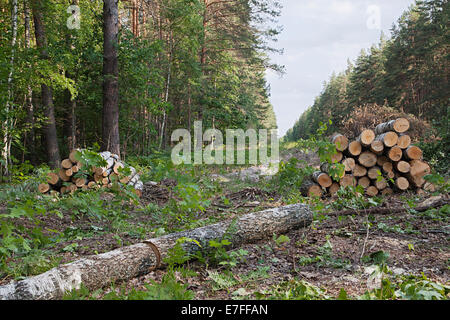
[(97, 271)]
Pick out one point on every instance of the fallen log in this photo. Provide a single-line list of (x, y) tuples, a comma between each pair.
[(348, 180), (395, 154), (377, 210), (340, 141), (377, 147), (367, 159), (364, 182), (404, 141), (334, 188), (372, 191), (43, 187), (359, 171), (337, 157), (98, 271), (349, 164), (413, 153), (366, 137), (389, 139), (354, 148), (310, 189), (323, 179), (399, 125)]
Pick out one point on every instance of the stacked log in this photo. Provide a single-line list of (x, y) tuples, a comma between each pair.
[(380, 160), (67, 179)]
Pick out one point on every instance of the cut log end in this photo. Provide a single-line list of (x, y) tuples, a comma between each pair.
[(337, 157), (401, 125), (52, 178), (359, 171), (323, 179), (311, 189), (334, 188), (366, 137), (44, 188), (341, 142), (413, 153), (387, 192), (402, 183), (404, 141), (389, 139), (347, 181), (66, 164), (377, 147), (381, 184), (403, 166), (364, 182), (367, 159), (372, 191), (395, 154), (354, 148), (373, 173), (349, 164)]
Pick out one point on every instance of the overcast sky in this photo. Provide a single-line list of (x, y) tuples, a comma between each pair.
[(318, 37)]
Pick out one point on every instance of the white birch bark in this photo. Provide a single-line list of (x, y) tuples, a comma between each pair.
[(97, 271)]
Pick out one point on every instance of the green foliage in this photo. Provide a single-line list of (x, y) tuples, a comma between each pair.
[(442, 185), (437, 150), (389, 74), (319, 144), (436, 214), (293, 290), (290, 176), (379, 258), (325, 258), (281, 239), (353, 198), (408, 288), (168, 289), (89, 159), (220, 256), (177, 255), (16, 240)]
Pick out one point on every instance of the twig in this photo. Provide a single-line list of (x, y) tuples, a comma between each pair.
[(379, 210)]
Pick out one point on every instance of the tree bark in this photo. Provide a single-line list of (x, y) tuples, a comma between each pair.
[(29, 138), (47, 95), (97, 271), (110, 125), (7, 125)]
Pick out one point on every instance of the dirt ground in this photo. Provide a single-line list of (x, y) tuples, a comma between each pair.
[(415, 244), (418, 245)]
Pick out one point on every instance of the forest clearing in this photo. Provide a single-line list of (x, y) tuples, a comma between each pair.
[(93, 205)]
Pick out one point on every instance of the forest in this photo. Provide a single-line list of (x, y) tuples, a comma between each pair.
[(404, 74), (353, 203), (170, 62)]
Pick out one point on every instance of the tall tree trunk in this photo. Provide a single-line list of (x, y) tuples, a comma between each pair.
[(51, 137), (7, 125), (69, 121), (71, 104), (29, 134), (166, 97), (110, 129)]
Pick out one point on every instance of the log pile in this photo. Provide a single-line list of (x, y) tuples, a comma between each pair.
[(71, 176), (382, 161)]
